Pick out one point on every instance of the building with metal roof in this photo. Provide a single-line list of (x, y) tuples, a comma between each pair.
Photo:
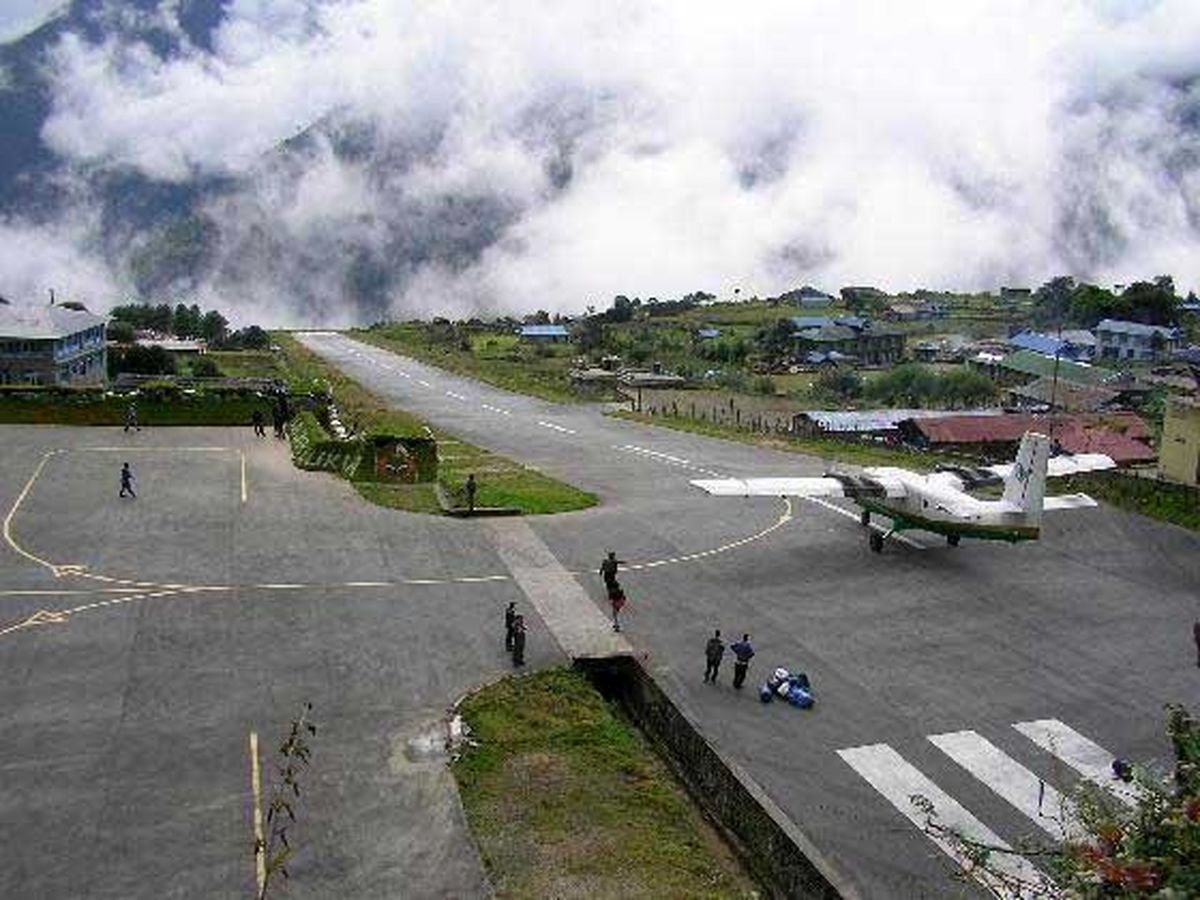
[(1050, 345), (1122, 436), (1117, 339), (51, 345), (546, 333), (877, 422), (1026, 365)]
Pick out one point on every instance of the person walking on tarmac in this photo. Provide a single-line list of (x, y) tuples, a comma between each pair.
[(510, 618), (131, 419), (518, 647), (471, 489), (259, 422), (713, 651), (127, 482), (617, 599), (608, 571), (742, 652)]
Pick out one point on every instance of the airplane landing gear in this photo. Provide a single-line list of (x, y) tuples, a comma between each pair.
[(876, 540), (952, 539)]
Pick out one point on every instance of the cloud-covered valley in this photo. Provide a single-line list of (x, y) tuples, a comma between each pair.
[(336, 161)]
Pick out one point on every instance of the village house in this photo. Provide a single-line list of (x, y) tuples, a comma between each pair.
[(1122, 436), (851, 337), (1116, 339), (52, 345), (544, 334)]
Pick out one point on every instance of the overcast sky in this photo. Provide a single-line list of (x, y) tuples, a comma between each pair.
[(18, 17), (657, 148)]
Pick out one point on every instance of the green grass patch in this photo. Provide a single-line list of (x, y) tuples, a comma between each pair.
[(1177, 504), (825, 448), (496, 359), (502, 482), (565, 798), (247, 363)]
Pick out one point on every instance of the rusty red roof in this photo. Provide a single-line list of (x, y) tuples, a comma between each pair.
[(1122, 436)]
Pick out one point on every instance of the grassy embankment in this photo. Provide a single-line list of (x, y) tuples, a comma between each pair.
[(502, 482), (1174, 503), (500, 360), (566, 799)]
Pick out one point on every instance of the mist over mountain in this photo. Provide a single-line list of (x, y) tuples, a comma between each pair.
[(338, 161)]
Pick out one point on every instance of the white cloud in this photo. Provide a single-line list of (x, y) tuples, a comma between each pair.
[(708, 144)]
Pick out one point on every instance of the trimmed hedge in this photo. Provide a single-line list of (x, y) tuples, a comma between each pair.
[(157, 404), (374, 457)]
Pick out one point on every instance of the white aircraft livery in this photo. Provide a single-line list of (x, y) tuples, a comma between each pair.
[(940, 502)]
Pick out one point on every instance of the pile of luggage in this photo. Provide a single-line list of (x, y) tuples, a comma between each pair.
[(789, 686)]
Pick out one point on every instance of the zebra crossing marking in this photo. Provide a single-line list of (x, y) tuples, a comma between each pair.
[(1050, 810), (1087, 758), (898, 780)]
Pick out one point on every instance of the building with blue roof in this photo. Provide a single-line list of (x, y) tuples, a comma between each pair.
[(548, 334)]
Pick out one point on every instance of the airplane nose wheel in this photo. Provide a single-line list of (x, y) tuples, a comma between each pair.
[(876, 542)]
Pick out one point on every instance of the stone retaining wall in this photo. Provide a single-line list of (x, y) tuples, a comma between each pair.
[(778, 854)]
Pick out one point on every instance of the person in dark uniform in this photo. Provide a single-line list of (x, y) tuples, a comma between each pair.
[(617, 599), (518, 647), (742, 652), (608, 571), (127, 482), (1196, 637), (471, 488), (131, 417), (259, 421), (510, 618), (713, 651)]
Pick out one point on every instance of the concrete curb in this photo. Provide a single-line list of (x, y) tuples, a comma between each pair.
[(461, 512)]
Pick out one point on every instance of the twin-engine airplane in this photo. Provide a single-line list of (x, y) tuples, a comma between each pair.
[(939, 502)]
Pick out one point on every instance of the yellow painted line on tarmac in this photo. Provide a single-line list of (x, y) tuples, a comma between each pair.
[(260, 845), (784, 518), (8, 520), (66, 593)]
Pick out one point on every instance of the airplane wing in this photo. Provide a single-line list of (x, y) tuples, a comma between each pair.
[(1068, 501), (772, 487), (874, 483), (1058, 466)]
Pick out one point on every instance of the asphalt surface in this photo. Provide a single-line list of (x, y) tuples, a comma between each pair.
[(1089, 626), (124, 727)]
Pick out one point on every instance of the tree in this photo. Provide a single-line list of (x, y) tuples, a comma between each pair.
[(776, 341), (1152, 303), (141, 360), (121, 332), (837, 385), (213, 326), (1052, 301)]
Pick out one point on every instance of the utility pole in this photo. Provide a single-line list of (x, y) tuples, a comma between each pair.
[(1054, 381)]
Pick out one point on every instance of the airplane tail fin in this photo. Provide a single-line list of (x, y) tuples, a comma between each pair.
[(1025, 484)]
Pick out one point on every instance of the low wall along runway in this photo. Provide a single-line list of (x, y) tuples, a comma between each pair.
[(770, 844)]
